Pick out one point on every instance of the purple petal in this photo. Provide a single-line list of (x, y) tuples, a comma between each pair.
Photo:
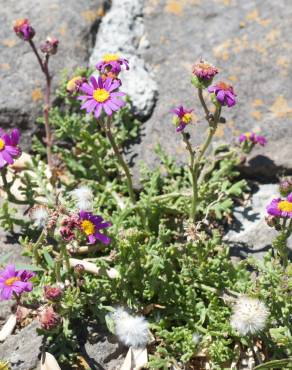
[(94, 82), (103, 238), (97, 111), (85, 87)]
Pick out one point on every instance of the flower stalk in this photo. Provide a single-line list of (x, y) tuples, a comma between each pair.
[(107, 129), (44, 64)]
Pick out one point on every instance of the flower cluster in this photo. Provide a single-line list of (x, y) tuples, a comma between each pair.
[(23, 29), (182, 117), (88, 224), (252, 138), (9, 149), (285, 187), (112, 64), (14, 282), (223, 94), (204, 73), (101, 95), (50, 46), (281, 207)]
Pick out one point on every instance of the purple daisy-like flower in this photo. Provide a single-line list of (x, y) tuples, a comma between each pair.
[(91, 224), (204, 70), (23, 29), (12, 281), (112, 63), (182, 117), (253, 138), (281, 207), (9, 148), (101, 95), (224, 93)]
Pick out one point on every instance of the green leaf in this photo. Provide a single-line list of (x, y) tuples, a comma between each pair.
[(275, 364)]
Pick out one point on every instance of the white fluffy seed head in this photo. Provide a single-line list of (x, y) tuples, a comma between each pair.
[(132, 331), (39, 215), (83, 197), (249, 315), (196, 338)]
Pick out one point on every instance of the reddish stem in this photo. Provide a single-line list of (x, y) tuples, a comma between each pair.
[(45, 69)]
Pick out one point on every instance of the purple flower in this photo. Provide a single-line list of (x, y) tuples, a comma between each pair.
[(12, 281), (182, 117), (112, 63), (101, 95), (91, 224), (23, 29), (9, 147), (204, 70), (224, 93), (281, 208), (253, 138)]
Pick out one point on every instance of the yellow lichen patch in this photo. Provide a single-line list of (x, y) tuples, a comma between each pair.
[(221, 51), (283, 63), (280, 108), (254, 16), (63, 29), (92, 15), (256, 114), (9, 43), (233, 78), (240, 43), (5, 66), (273, 36), (257, 103), (37, 94), (220, 132), (174, 7)]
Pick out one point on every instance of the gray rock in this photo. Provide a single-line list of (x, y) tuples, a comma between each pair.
[(122, 31), (103, 350), (249, 42), (74, 23), (22, 349), (250, 234)]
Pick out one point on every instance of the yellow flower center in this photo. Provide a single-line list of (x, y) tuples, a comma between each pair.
[(187, 118), (110, 57), (101, 95), (285, 206), (11, 280), (248, 135), (88, 227), (2, 144), (71, 84)]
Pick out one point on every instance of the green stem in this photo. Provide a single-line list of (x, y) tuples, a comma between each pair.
[(192, 173), (66, 257), (58, 269), (123, 164), (6, 186), (36, 246), (197, 161), (203, 103)]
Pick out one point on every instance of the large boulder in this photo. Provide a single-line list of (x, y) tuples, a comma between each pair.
[(250, 44), (74, 23)]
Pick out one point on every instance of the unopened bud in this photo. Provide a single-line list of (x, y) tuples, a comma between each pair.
[(50, 46), (79, 269), (53, 293), (48, 318), (23, 29), (285, 187)]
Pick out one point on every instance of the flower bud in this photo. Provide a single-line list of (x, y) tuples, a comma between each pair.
[(79, 269), (48, 318), (23, 29), (53, 293), (285, 187), (50, 47), (203, 74)]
